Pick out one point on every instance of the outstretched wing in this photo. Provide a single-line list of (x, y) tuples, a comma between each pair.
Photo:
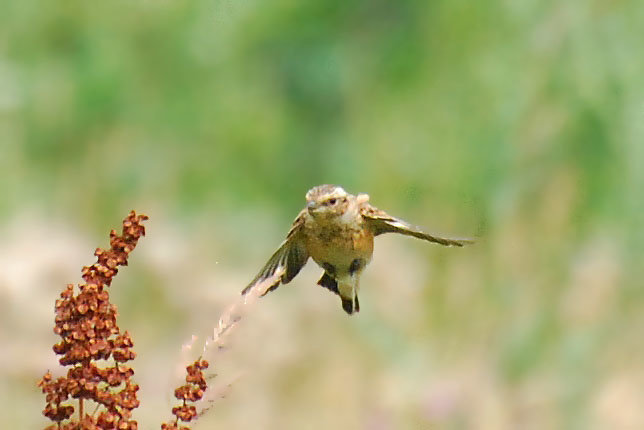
[(380, 222), (287, 261)]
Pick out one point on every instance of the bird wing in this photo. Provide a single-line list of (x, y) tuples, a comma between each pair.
[(381, 222), (287, 261)]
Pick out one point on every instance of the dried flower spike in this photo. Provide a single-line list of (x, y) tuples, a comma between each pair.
[(86, 323), (191, 392)]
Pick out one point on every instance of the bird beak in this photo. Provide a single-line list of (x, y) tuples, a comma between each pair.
[(311, 206)]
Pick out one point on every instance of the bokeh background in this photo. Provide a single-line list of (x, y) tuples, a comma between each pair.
[(520, 123)]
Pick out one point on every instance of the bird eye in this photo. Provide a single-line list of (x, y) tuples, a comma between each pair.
[(332, 201)]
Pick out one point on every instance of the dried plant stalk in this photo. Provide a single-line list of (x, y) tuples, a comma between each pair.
[(86, 323), (195, 388)]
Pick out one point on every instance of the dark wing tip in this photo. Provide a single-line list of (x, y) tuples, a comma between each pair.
[(284, 264), (262, 283)]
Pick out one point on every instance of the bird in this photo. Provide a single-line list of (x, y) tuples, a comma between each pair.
[(336, 229)]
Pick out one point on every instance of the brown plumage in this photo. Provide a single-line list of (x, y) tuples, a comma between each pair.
[(336, 230)]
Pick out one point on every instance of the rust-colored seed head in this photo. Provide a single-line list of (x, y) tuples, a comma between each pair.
[(190, 392), (86, 323)]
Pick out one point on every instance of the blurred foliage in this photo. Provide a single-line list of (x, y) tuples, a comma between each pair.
[(521, 122)]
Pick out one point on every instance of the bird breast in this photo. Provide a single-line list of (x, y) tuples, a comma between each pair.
[(339, 245)]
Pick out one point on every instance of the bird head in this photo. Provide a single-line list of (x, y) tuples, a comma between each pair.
[(327, 201)]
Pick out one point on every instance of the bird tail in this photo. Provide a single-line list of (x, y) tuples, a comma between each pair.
[(350, 305), (348, 291)]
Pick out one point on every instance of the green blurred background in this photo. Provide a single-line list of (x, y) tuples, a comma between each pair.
[(520, 123)]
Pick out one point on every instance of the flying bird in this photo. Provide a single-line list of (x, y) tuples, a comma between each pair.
[(336, 230)]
